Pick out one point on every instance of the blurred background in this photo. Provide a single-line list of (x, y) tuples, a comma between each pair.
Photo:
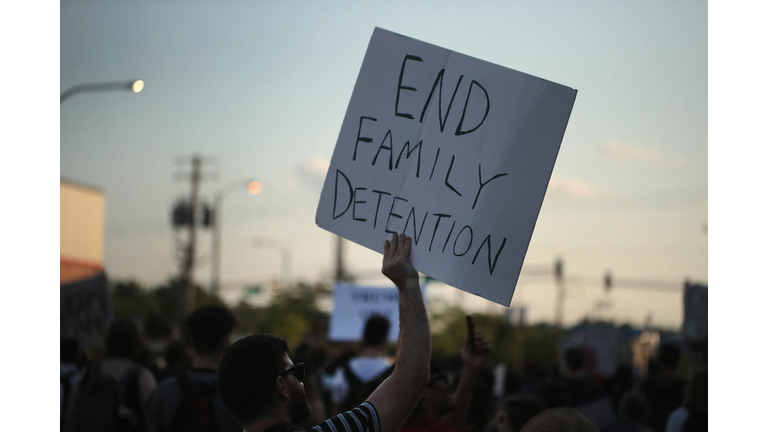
[(195, 139)]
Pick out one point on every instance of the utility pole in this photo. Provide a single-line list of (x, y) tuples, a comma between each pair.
[(341, 272), (560, 280), (186, 216), (187, 300)]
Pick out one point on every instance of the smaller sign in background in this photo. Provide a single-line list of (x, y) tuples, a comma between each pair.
[(352, 305)]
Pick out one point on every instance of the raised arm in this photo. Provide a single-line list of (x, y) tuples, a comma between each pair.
[(397, 395), (473, 364)]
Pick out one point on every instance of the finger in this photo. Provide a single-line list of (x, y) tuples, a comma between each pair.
[(406, 250), (395, 245), (386, 250)]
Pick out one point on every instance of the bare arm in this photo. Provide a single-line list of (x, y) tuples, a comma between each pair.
[(397, 395), (473, 363)]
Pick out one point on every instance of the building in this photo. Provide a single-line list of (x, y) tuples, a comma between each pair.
[(81, 231)]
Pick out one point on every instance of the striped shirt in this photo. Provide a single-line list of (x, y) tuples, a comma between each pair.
[(364, 418)]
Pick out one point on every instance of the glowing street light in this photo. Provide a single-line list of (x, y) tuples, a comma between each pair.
[(135, 86), (254, 187)]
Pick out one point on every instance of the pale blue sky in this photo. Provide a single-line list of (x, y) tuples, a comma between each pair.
[(263, 87)]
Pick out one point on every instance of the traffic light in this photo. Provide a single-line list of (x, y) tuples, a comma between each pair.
[(209, 216), (181, 215), (608, 281)]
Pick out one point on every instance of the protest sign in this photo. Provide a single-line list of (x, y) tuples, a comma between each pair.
[(454, 151), (86, 311), (352, 305)]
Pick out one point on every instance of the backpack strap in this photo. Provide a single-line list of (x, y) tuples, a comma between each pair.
[(355, 389), (351, 377)]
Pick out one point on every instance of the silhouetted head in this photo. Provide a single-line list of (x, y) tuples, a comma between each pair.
[(669, 356), (574, 359), (559, 420), (69, 350), (254, 379), (123, 340), (376, 331), (514, 412), (208, 329)]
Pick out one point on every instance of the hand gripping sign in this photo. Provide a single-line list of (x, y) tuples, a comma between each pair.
[(454, 151)]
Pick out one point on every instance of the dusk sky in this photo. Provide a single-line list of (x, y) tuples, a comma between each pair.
[(262, 89)]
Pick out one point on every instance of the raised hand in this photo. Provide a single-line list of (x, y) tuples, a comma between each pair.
[(476, 361), (396, 264)]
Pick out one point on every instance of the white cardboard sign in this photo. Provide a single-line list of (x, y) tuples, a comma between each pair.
[(454, 151), (353, 305)]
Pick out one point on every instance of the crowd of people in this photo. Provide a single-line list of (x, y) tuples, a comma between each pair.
[(260, 384)]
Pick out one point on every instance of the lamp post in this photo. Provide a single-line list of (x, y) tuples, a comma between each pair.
[(254, 188), (135, 86), (285, 257)]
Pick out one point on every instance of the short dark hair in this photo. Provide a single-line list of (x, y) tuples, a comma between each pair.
[(246, 375), (123, 340), (207, 326), (574, 359), (669, 355), (376, 330)]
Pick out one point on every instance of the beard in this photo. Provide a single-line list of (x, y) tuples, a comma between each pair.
[(299, 408)]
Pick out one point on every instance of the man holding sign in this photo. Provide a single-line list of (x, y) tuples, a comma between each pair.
[(264, 389), (455, 152)]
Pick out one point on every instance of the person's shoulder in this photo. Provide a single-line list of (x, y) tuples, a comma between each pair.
[(371, 360), (364, 417), (677, 419), (367, 368)]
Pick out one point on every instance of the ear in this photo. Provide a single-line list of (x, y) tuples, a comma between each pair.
[(280, 387)]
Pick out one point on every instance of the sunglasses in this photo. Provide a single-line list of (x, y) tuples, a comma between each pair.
[(298, 371)]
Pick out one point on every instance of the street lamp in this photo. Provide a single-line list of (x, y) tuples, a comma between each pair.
[(254, 188), (285, 257), (135, 86)]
